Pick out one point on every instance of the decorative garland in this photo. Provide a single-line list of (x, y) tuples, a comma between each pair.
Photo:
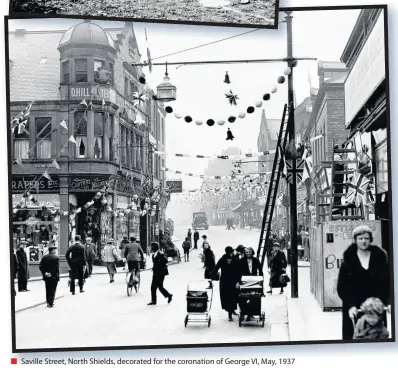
[(232, 98), (232, 176)]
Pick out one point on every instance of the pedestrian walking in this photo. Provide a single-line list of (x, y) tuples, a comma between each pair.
[(305, 236), (90, 255), (159, 272), (49, 267), (189, 236), (195, 239), (209, 260), (277, 268), (15, 270), (249, 266), (110, 256), (186, 246), (288, 247), (228, 264), (76, 258), (23, 267), (364, 273)]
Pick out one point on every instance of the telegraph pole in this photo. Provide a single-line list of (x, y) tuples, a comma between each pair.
[(293, 183)]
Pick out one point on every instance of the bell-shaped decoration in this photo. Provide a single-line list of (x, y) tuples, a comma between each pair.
[(198, 122), (287, 71), (139, 120), (258, 104), (221, 122), (177, 115)]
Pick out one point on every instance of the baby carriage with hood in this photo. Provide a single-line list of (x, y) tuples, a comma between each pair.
[(370, 324), (199, 300), (250, 294)]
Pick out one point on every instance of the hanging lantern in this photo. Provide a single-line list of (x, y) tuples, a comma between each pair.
[(210, 122), (177, 116), (166, 92), (281, 79), (258, 104), (287, 71), (139, 120), (198, 122), (266, 97), (242, 115), (221, 122), (274, 89), (169, 109)]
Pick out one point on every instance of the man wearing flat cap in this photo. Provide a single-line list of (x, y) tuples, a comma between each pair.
[(49, 267), (76, 257)]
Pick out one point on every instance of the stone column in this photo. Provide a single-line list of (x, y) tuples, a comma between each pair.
[(90, 134), (64, 222)]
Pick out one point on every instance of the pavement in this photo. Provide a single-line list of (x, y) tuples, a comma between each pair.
[(105, 316)]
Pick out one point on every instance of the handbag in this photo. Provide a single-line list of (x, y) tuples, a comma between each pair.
[(284, 279), (120, 263)]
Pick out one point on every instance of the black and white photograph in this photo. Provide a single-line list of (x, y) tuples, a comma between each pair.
[(259, 13), (186, 185)]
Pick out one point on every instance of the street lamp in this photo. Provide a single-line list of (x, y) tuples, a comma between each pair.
[(166, 92)]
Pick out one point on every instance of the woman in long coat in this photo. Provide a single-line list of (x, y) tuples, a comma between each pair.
[(277, 268), (364, 273), (209, 260), (23, 267), (228, 264)]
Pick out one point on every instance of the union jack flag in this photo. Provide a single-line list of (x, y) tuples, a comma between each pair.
[(358, 188)]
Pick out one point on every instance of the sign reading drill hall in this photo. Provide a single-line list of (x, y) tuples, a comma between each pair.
[(78, 92)]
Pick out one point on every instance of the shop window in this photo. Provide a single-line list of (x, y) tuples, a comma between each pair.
[(98, 134), (43, 138), (81, 70), (65, 68), (81, 134), (21, 142)]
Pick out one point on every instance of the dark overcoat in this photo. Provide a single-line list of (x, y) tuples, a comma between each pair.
[(23, 266), (209, 261), (229, 278), (277, 264), (355, 284)]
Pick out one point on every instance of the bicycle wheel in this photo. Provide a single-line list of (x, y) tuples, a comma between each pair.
[(137, 285), (129, 287)]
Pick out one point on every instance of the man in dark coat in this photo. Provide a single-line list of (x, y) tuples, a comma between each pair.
[(195, 239), (90, 255), (49, 267), (23, 267), (277, 267), (76, 257), (189, 236), (159, 272), (356, 283), (15, 269)]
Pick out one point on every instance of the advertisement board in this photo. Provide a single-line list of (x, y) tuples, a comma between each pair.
[(336, 238), (367, 72), (175, 186)]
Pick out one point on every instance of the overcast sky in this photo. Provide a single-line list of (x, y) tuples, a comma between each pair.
[(200, 89)]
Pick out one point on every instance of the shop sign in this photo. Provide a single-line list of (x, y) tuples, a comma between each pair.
[(88, 183), (106, 92), (367, 72), (175, 186), (122, 202), (27, 183)]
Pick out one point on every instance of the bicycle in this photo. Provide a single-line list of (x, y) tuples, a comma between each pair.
[(133, 280)]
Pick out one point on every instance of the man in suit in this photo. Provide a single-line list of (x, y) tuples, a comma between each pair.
[(76, 257), (49, 267), (23, 267), (90, 255), (160, 271), (195, 239)]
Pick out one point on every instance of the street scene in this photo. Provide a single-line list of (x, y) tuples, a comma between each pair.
[(241, 12), (180, 192)]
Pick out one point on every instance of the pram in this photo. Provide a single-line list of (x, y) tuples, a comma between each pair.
[(199, 299), (250, 294)]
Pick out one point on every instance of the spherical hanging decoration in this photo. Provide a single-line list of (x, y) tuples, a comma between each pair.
[(232, 119), (258, 104), (266, 97), (294, 63), (177, 115), (188, 119), (287, 71), (274, 89), (169, 109), (142, 80), (221, 122), (210, 122), (198, 122), (242, 115), (281, 79), (250, 110)]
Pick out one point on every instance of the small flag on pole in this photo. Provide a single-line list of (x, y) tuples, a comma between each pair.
[(83, 103), (46, 175)]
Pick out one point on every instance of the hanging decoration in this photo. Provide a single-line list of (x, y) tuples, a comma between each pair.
[(246, 175), (198, 122), (232, 119), (226, 79), (250, 110), (169, 109), (230, 136), (139, 98), (232, 98), (21, 119), (210, 122), (281, 79), (188, 119), (221, 122), (223, 157)]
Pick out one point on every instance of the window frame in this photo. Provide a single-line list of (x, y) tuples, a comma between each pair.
[(81, 72)]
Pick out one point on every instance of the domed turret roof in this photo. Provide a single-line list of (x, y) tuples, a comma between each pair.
[(86, 33)]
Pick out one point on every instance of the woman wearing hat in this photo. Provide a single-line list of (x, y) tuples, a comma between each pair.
[(110, 256), (23, 267), (277, 267), (49, 267), (364, 273), (228, 264)]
